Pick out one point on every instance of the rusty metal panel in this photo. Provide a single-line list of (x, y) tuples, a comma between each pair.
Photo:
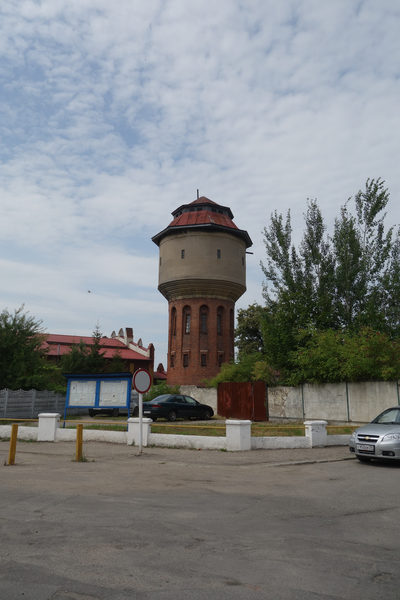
[(242, 400)]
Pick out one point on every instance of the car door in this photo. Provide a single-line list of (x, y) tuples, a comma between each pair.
[(192, 407), (181, 407)]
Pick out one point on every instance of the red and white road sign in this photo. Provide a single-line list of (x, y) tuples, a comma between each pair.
[(142, 381)]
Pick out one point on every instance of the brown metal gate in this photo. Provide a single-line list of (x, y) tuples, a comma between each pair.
[(243, 400)]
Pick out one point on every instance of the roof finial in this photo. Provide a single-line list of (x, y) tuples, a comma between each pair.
[(198, 194)]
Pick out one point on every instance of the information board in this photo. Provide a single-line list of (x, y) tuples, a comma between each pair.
[(82, 393), (113, 393)]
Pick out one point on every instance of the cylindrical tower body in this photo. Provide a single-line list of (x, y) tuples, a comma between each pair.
[(202, 272)]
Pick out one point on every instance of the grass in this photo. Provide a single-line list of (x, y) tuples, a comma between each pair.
[(100, 427)]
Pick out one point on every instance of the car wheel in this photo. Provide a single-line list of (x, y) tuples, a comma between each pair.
[(136, 411), (154, 419), (172, 415), (206, 415), (91, 412), (115, 412), (363, 458)]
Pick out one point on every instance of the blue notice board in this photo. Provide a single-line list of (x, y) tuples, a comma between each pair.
[(103, 390)]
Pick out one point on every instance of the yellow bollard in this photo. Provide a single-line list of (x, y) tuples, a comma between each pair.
[(13, 444), (79, 437)]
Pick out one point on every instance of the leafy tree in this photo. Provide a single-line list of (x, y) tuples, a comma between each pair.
[(248, 334), (22, 353), (343, 282), (332, 356)]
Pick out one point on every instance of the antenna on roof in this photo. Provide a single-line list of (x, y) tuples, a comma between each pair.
[(197, 194)]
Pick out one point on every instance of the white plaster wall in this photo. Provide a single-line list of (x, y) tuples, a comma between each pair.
[(91, 435), (274, 443), (338, 440), (285, 402), (368, 399), (325, 401), (24, 433), (198, 442), (207, 396)]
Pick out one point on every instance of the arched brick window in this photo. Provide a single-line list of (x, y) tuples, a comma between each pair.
[(203, 319), (187, 317), (220, 318), (173, 321)]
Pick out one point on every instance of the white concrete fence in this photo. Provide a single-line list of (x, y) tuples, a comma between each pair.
[(238, 436)]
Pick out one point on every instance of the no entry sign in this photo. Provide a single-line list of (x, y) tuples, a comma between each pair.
[(142, 381)]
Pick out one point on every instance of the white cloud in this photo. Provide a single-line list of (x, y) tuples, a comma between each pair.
[(113, 114)]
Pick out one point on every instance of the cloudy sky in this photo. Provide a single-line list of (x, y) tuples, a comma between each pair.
[(112, 114)]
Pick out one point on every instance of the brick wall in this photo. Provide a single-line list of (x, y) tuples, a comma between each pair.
[(216, 347)]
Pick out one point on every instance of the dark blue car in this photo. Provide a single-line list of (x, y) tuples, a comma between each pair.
[(176, 406)]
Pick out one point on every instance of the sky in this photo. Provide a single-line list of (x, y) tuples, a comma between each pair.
[(113, 114)]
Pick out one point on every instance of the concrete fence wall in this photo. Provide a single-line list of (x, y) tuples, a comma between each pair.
[(358, 402), (238, 436), (21, 404)]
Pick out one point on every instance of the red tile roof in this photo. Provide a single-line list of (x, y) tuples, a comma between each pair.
[(58, 345), (203, 217)]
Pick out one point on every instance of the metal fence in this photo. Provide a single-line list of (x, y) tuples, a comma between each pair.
[(21, 404)]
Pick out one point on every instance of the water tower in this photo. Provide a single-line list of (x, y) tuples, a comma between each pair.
[(202, 272)]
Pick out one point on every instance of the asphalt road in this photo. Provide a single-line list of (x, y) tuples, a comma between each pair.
[(193, 525)]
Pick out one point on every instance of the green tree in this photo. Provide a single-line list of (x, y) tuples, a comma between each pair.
[(159, 390), (332, 356), (248, 336), (96, 361), (76, 360), (23, 362), (117, 363), (343, 282)]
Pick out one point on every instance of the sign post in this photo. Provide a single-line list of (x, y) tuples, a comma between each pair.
[(142, 384)]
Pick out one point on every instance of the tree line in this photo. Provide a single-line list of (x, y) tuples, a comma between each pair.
[(331, 310), (23, 355)]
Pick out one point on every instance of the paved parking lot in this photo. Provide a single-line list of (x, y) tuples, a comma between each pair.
[(190, 525)]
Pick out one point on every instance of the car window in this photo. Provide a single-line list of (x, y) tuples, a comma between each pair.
[(389, 416), (179, 399), (190, 400)]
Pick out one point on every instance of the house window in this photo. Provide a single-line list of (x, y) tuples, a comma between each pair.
[(186, 360), (204, 360), (182, 254), (187, 323), (218, 253)]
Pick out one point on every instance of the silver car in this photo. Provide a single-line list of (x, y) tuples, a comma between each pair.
[(378, 439)]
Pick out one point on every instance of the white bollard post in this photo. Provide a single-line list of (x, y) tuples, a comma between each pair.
[(316, 433), (133, 435), (48, 425), (238, 435)]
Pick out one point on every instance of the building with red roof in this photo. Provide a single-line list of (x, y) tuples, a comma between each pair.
[(135, 355)]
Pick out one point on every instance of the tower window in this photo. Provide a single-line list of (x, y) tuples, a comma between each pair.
[(218, 253), (160, 261), (204, 360), (242, 261), (204, 323), (187, 323), (172, 361), (186, 360), (220, 359), (182, 254), (220, 312)]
